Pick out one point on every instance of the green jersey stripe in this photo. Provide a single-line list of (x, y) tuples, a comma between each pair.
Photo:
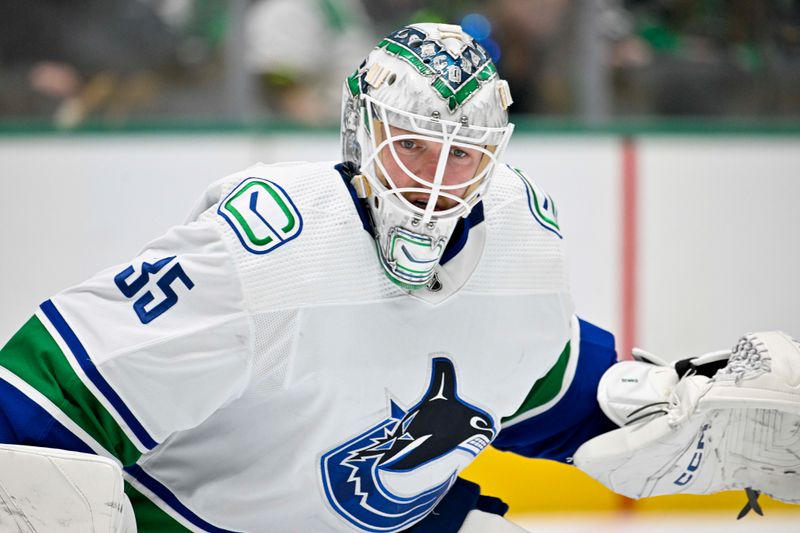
[(36, 358), (547, 387), (85, 368), (150, 518), (72, 358)]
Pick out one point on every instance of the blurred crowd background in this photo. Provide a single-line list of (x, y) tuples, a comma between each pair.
[(119, 62)]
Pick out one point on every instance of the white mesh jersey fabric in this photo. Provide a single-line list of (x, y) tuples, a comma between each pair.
[(274, 332), (520, 255), (332, 259)]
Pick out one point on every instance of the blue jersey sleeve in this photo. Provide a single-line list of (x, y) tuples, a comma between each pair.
[(557, 432)]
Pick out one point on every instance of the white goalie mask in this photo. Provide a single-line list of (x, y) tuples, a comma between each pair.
[(424, 121)]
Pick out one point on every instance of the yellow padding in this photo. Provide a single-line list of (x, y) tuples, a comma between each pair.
[(529, 485), (537, 486)]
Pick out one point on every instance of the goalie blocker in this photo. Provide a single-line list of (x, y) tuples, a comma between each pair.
[(727, 420), (58, 491)]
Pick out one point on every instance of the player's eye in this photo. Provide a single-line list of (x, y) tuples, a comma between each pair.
[(407, 144), (458, 153)]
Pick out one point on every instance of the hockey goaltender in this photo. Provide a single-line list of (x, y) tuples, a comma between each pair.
[(325, 346)]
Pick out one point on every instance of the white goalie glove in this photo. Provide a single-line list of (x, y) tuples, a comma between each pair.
[(736, 427), (43, 489)]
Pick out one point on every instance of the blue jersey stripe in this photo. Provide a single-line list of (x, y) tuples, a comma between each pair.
[(23, 421), (85, 362), (170, 499)]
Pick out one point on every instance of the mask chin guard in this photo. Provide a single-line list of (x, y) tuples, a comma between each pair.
[(410, 258), (408, 251)]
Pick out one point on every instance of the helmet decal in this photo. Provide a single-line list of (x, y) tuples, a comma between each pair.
[(456, 74)]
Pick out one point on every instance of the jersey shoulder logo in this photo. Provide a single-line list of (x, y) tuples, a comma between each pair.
[(540, 204), (393, 474), (261, 214)]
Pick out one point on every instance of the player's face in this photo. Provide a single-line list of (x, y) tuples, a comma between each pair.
[(421, 157)]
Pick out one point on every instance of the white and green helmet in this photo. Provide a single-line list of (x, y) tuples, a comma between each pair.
[(429, 83)]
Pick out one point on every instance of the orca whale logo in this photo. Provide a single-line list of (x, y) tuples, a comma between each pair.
[(354, 474)]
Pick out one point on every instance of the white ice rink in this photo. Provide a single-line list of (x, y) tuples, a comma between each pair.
[(661, 523)]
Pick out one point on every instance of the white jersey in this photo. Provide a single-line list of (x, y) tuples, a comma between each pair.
[(255, 369)]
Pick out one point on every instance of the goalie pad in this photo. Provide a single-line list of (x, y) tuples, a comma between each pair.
[(59, 491), (739, 429)]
